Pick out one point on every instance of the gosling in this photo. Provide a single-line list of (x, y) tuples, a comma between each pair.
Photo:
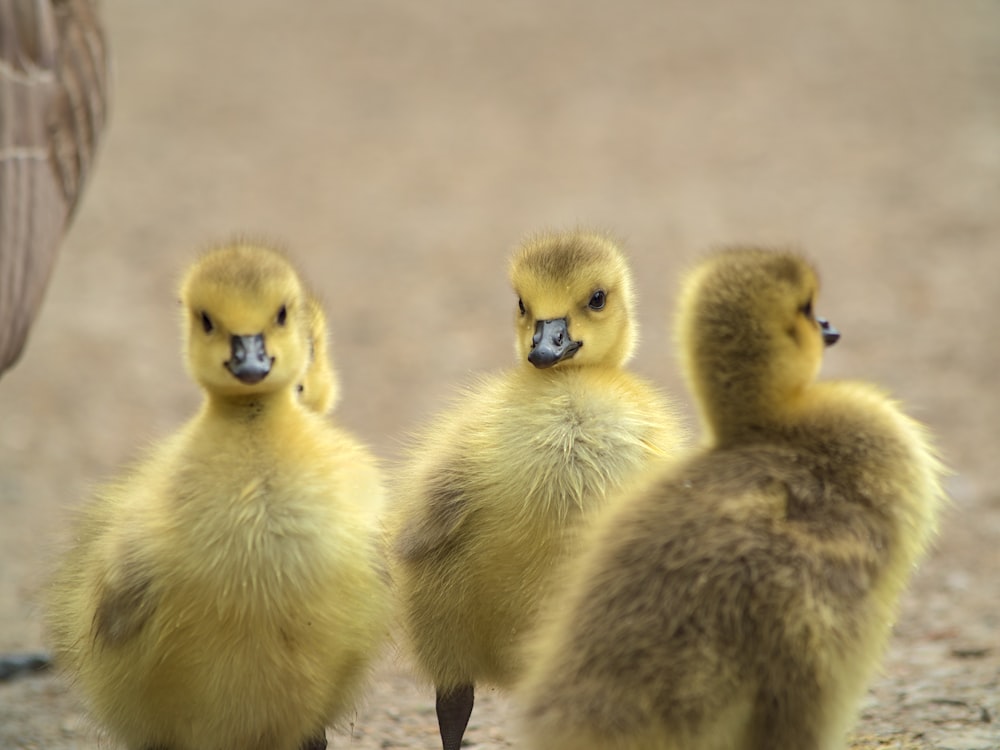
[(319, 388), (489, 504), (742, 599), (230, 591)]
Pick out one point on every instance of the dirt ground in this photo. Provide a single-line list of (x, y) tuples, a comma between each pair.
[(401, 149)]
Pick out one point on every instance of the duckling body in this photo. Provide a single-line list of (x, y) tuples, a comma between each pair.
[(489, 506), (229, 592), (742, 599)]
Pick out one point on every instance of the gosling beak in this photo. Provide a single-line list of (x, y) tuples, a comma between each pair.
[(830, 334), (249, 361), (551, 343)]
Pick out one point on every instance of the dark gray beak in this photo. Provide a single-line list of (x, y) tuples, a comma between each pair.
[(551, 343), (830, 334), (249, 362)]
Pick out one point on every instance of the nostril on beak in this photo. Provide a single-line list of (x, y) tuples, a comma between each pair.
[(249, 361), (239, 352), (552, 343)]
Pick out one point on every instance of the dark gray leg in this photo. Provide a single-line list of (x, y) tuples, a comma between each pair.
[(453, 711), (316, 742), (12, 665)]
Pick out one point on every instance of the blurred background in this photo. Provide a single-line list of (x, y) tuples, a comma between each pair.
[(401, 150)]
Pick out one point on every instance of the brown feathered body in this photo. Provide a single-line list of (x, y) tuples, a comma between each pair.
[(54, 91)]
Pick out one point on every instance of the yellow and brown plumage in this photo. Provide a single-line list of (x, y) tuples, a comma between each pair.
[(497, 487), (742, 599), (230, 590)]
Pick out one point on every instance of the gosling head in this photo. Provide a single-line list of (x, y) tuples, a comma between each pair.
[(245, 321), (574, 301), (750, 339), (319, 388)]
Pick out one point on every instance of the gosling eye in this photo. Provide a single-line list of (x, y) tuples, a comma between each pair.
[(206, 322), (520, 306), (597, 300), (282, 315), (807, 309)]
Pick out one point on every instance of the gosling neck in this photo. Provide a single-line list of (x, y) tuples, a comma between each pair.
[(561, 371), (250, 407), (740, 409)]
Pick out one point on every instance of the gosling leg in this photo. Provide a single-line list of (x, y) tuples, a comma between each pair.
[(316, 742), (453, 711), (12, 665)]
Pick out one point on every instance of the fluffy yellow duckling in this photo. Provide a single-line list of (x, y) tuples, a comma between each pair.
[(319, 389), (742, 599), (489, 503), (230, 591)]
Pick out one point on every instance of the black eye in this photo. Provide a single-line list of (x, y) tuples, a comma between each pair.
[(282, 315), (520, 306), (807, 309), (206, 323), (597, 300)]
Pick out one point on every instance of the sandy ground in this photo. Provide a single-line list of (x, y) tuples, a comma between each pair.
[(401, 149)]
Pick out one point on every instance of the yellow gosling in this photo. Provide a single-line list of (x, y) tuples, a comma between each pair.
[(497, 487), (319, 389), (229, 592), (741, 600)]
